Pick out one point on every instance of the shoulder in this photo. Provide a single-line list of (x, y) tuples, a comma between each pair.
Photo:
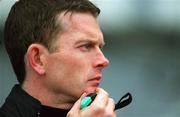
[(7, 112)]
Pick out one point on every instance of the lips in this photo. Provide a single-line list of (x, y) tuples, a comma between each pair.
[(95, 80), (97, 77)]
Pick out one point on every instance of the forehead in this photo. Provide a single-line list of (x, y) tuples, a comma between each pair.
[(80, 24)]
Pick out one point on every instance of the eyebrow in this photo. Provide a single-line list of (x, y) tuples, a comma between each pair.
[(102, 43)]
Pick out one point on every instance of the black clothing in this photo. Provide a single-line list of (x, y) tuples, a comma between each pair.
[(52, 112), (21, 104)]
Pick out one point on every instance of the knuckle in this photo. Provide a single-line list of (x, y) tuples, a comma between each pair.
[(69, 114), (112, 100), (109, 113), (99, 108), (102, 110), (103, 91)]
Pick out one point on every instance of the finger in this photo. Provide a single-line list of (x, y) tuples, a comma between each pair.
[(111, 105), (109, 111), (101, 99), (100, 90)]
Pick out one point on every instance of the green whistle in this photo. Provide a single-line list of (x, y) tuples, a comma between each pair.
[(87, 100), (124, 101)]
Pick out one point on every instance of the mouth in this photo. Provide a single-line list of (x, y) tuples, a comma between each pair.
[(95, 81)]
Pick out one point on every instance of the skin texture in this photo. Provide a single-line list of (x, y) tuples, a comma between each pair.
[(59, 78)]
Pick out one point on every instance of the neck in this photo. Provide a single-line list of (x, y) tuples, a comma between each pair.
[(36, 89)]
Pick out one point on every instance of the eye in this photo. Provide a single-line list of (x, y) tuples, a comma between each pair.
[(87, 47)]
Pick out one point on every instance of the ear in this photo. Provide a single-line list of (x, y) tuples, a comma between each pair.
[(35, 59)]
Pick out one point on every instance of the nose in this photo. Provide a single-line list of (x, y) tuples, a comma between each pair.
[(105, 61), (101, 61)]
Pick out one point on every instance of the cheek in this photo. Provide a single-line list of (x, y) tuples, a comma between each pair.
[(75, 74), (78, 69), (73, 68)]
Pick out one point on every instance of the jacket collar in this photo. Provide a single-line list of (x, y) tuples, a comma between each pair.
[(26, 104)]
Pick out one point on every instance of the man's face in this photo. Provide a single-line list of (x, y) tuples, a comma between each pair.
[(76, 66)]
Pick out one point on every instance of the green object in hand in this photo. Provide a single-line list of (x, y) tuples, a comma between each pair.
[(85, 102), (124, 101)]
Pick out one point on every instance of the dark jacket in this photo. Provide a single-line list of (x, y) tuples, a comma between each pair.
[(21, 104)]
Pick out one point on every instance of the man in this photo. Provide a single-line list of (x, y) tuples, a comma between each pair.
[(55, 50)]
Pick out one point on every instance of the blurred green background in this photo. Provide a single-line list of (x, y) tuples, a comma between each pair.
[(143, 46)]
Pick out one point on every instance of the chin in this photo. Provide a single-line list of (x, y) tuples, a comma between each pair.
[(90, 90)]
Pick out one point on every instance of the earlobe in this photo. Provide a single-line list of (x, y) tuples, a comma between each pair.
[(34, 58)]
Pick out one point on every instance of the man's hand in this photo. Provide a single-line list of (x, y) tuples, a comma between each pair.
[(102, 106)]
